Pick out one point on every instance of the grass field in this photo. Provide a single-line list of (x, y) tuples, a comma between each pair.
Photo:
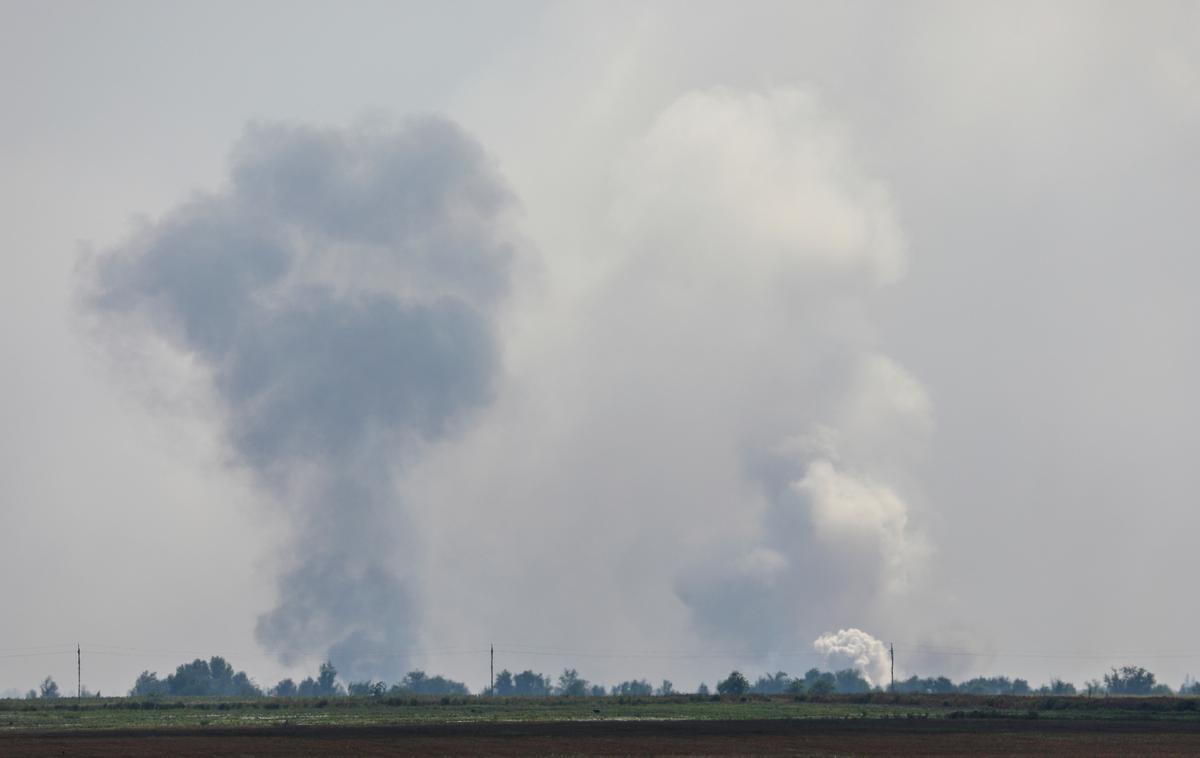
[(836, 725), (168, 712)]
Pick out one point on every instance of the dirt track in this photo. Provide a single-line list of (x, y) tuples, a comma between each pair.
[(778, 737)]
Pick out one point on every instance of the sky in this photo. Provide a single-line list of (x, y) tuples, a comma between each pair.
[(650, 339)]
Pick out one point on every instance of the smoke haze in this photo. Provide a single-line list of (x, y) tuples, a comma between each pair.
[(340, 295), (687, 334)]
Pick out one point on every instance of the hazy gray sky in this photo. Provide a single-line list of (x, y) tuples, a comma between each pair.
[(721, 326)]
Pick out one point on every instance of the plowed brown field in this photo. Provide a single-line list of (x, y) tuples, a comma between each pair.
[(614, 738)]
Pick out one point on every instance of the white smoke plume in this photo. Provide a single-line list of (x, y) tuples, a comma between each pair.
[(757, 203), (854, 648), (706, 444)]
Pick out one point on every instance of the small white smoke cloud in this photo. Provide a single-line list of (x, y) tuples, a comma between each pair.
[(854, 648)]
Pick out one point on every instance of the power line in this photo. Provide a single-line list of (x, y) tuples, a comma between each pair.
[(1053, 656), (550, 650), (66, 651), (127, 650), (565, 652), (34, 648), (659, 656)]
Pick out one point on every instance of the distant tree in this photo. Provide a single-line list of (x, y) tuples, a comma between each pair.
[(822, 685), (1057, 687), (31, 695), (529, 684), (220, 671), (850, 681), (796, 687), (930, 685), (817, 682), (597, 690), (772, 684), (504, 684), (996, 685), (192, 678), (1190, 686), (1129, 680), (666, 688), (325, 685), (285, 688), (148, 685), (570, 684), (420, 683), (327, 679), (633, 688), (1093, 687), (200, 677), (366, 688), (48, 688), (734, 685), (702, 690), (443, 686), (978, 686), (414, 681)]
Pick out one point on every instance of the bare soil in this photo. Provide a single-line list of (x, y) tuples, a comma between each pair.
[(983, 737)]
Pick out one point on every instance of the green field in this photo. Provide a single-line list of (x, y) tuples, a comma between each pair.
[(159, 713)]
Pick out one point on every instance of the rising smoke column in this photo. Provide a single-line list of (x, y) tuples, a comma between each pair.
[(339, 295), (765, 233)]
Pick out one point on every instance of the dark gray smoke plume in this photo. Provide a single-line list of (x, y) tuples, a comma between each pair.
[(340, 295)]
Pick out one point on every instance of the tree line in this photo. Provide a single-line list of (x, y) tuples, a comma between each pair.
[(1126, 680), (217, 677)]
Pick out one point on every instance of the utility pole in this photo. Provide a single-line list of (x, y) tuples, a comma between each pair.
[(78, 671), (492, 671), (892, 655)]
